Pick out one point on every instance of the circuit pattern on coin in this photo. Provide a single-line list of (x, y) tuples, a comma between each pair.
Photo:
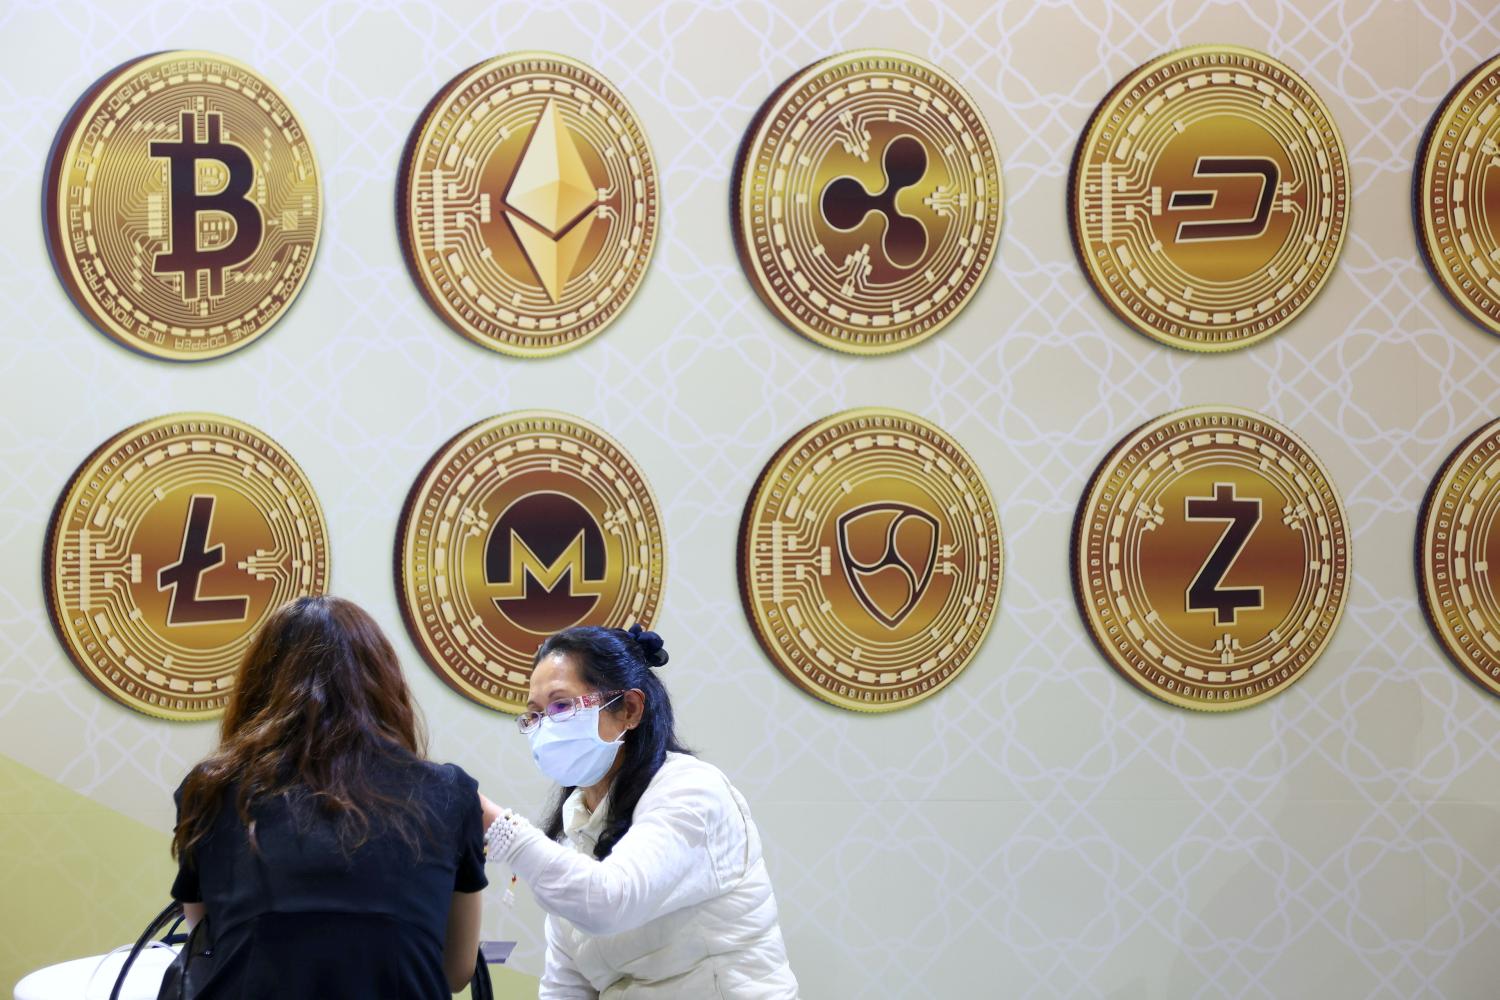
[(1211, 558), (1457, 545), (168, 549), (870, 559), (1208, 199), (527, 203), (182, 205), (1457, 196), (867, 201), (520, 526)]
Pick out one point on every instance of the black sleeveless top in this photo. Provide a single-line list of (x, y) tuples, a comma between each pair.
[(302, 918)]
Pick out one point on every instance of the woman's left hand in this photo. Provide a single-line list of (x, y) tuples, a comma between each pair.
[(489, 809)]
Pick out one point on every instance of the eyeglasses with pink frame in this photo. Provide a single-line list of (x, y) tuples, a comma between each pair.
[(562, 711)]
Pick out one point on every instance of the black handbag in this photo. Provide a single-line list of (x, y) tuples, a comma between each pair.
[(189, 971), (165, 924)]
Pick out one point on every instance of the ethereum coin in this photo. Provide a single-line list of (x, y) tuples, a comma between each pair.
[(870, 559), (1457, 196), (867, 201), (1211, 558), (520, 526), (1209, 197), (182, 206), (169, 547), (527, 203)]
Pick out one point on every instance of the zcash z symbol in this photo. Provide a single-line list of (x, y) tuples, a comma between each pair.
[(1205, 594), (1228, 229), (183, 577), (200, 245), (846, 203), (904, 540)]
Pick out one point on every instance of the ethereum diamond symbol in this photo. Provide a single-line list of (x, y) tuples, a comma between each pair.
[(549, 201)]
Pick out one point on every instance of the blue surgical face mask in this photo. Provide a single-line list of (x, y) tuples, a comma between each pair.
[(571, 752)]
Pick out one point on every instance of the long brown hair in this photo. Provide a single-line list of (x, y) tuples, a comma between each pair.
[(319, 701)]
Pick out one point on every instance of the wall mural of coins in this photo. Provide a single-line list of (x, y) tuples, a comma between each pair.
[(182, 205), (167, 549), (1456, 199), (1458, 541), (1209, 197), (1211, 558), (519, 526), (527, 203), (870, 559), (867, 201)]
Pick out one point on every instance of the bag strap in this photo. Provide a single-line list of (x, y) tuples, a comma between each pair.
[(163, 920), (480, 987)]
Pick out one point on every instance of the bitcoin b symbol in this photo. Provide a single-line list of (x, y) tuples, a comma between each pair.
[(1205, 594), (196, 245)]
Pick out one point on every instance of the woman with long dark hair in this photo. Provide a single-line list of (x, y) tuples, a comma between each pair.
[(648, 865), (330, 858)]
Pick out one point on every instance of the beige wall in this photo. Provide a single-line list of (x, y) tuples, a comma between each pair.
[(1038, 829)]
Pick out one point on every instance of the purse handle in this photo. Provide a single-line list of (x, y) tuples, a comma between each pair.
[(480, 987), (167, 919)]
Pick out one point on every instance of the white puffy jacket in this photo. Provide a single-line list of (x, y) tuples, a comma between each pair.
[(681, 908)]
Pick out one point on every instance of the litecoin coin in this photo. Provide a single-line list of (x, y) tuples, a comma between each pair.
[(1457, 197), (520, 526), (1211, 558), (182, 205), (1458, 542), (1209, 197), (169, 547), (527, 203), (867, 201), (870, 559)]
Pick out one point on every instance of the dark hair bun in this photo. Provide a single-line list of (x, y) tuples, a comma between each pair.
[(652, 647)]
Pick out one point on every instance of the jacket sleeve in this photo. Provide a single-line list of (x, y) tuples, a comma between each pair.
[(663, 863), (561, 979)]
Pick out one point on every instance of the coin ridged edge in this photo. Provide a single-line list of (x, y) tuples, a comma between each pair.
[(1425, 586), (59, 509), (404, 186), (445, 451), (743, 569), (1076, 555), (1084, 137), (1420, 177), (743, 243)]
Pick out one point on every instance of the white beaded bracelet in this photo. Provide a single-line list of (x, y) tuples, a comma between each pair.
[(500, 834)]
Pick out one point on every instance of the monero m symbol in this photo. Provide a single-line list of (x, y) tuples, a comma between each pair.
[(546, 562), (183, 577), (1227, 229), (1205, 592)]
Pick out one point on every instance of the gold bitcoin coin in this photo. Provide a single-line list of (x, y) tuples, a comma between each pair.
[(1209, 197), (867, 201), (182, 206), (169, 547), (1211, 558), (870, 559), (1458, 542), (527, 203), (520, 526), (1457, 196)]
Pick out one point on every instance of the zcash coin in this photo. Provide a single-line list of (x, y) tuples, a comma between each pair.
[(527, 203), (169, 547), (520, 526), (182, 205), (867, 201), (870, 559), (1209, 197), (1457, 544), (1211, 558), (1457, 197)]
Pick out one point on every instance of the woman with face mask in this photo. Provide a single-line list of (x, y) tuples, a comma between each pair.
[(649, 865)]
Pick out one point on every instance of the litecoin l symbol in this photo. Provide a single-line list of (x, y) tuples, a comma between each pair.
[(183, 577), (1228, 229), (1243, 514), (199, 245)]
